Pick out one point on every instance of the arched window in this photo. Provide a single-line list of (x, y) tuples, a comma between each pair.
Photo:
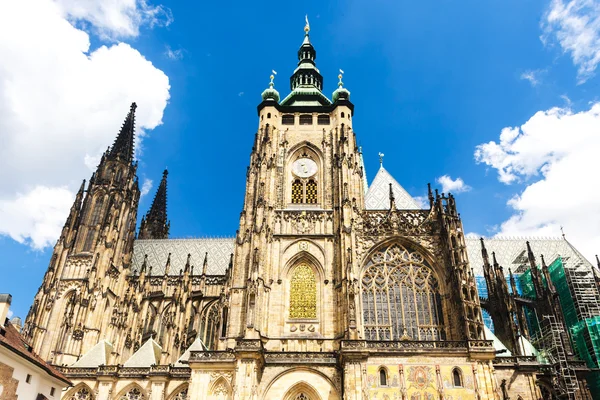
[(303, 293), (97, 213), (181, 395), (133, 394), (297, 192), (400, 297), (268, 115), (82, 393), (311, 192), (209, 327), (343, 114), (456, 378), (382, 377)]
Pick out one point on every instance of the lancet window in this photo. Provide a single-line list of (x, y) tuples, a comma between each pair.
[(209, 328), (97, 213), (303, 293), (400, 296)]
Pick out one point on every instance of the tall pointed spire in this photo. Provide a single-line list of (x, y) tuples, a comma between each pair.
[(122, 148), (306, 82), (155, 225)]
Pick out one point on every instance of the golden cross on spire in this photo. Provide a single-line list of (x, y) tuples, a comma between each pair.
[(307, 26)]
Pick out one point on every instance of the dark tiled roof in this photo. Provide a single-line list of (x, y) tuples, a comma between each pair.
[(11, 339)]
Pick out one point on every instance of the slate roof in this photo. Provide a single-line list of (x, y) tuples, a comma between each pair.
[(12, 340), (219, 252), (512, 252), (378, 195)]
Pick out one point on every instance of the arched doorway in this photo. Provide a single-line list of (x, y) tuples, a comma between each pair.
[(301, 384)]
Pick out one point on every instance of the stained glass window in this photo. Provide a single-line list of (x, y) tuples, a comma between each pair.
[(133, 394), (210, 326), (311, 192), (89, 240), (81, 394), (303, 293), (183, 395), (400, 297), (297, 195)]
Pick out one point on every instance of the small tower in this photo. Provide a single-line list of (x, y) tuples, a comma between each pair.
[(91, 259), (154, 224)]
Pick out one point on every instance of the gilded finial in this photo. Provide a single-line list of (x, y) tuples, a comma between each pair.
[(381, 159), (340, 76), (307, 26), (273, 73)]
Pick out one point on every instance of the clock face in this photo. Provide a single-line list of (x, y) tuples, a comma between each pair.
[(304, 168)]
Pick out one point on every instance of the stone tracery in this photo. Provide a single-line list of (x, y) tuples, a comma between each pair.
[(400, 296)]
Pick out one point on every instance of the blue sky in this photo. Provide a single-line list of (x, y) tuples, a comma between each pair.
[(434, 84)]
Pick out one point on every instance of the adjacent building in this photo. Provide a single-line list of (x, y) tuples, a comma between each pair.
[(23, 374)]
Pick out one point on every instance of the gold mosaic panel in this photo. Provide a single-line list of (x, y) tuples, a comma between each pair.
[(303, 293)]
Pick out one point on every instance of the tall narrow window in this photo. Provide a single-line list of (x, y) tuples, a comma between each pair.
[(311, 192), (224, 322), (456, 377), (297, 189), (400, 297), (96, 215), (303, 293), (210, 326), (89, 240), (382, 377)]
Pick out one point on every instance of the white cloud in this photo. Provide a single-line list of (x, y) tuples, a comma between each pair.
[(450, 185), (560, 148), (173, 54), (532, 76), (146, 186), (575, 25), (9, 314), (60, 107), (422, 201), (116, 18)]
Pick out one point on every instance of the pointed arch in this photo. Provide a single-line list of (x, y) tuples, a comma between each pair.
[(210, 319), (457, 377), (180, 392), (132, 391), (80, 392), (220, 389), (302, 391), (400, 293)]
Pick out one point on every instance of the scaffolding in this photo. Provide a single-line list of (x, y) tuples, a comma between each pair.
[(551, 339), (580, 304)]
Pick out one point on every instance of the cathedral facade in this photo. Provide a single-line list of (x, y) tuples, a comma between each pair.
[(331, 288)]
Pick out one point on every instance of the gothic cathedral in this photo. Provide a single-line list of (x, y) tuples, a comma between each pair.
[(331, 289)]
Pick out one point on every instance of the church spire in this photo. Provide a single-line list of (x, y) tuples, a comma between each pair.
[(154, 224), (306, 75), (122, 148)]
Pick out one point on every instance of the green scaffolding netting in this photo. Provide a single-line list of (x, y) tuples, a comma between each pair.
[(585, 334)]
